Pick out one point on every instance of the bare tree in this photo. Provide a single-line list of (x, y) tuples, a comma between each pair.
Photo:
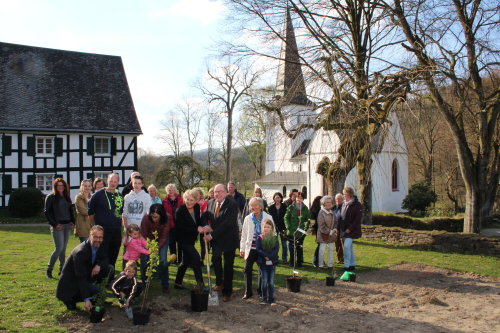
[(423, 133), (455, 46), (191, 118), (171, 133), (341, 48), (211, 129), (227, 85), (251, 130)]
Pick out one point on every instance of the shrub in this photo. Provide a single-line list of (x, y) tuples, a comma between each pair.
[(26, 202), (420, 196)]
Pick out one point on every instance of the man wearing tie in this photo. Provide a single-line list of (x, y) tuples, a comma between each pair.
[(222, 211)]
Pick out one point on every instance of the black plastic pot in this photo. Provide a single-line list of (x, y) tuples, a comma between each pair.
[(199, 300), (141, 317), (293, 283), (96, 316), (352, 277), (330, 281)]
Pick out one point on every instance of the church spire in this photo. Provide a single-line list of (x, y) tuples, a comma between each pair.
[(290, 82)]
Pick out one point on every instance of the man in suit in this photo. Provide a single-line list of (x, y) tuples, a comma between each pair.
[(86, 265), (223, 231)]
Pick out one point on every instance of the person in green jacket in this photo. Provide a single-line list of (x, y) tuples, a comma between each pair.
[(297, 216)]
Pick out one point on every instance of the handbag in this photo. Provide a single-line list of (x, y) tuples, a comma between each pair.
[(325, 237)]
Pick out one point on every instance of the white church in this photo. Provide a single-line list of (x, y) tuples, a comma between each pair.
[(292, 163)]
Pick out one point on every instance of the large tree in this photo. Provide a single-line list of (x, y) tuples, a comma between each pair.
[(228, 83), (455, 47), (342, 47), (251, 129)]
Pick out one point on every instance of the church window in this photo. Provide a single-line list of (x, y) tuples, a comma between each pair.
[(394, 175)]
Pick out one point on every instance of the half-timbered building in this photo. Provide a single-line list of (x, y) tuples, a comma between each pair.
[(63, 113)]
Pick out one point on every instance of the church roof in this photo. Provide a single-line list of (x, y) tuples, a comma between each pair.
[(55, 90), (302, 148), (284, 178), (290, 84)]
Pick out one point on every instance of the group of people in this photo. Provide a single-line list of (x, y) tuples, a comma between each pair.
[(222, 223)]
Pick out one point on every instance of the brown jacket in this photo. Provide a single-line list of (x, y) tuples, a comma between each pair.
[(83, 223), (326, 223)]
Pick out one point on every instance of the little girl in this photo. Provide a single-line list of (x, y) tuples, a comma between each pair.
[(267, 249), (135, 248), (126, 287)]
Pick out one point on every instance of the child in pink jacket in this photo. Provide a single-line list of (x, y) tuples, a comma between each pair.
[(135, 248)]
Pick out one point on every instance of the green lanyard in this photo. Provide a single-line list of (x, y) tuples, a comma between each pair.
[(118, 202)]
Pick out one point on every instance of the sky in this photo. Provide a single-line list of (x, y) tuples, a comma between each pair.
[(163, 44)]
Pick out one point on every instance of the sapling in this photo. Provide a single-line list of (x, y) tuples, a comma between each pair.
[(153, 262)]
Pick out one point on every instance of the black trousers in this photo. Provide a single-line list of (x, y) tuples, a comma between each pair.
[(190, 257), (174, 245), (251, 259), (112, 243), (298, 246), (93, 284), (224, 276)]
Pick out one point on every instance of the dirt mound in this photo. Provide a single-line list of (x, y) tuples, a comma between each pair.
[(406, 297)]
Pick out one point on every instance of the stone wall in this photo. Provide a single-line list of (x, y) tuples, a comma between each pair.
[(435, 240)]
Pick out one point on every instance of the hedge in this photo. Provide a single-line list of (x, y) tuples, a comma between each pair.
[(442, 223)]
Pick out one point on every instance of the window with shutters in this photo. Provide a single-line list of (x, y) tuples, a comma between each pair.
[(44, 145), (44, 182), (102, 146)]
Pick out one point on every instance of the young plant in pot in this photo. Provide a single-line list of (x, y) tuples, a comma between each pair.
[(199, 298), (141, 313), (293, 282), (98, 310)]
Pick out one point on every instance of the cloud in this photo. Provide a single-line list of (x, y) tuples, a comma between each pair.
[(203, 11)]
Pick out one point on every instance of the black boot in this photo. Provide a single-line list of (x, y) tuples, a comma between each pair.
[(48, 273), (352, 268)]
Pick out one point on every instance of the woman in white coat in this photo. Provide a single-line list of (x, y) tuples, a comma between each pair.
[(252, 228)]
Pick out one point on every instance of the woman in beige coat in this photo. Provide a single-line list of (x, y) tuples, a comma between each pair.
[(325, 236), (83, 223)]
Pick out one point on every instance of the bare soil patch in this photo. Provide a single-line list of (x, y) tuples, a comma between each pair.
[(402, 298)]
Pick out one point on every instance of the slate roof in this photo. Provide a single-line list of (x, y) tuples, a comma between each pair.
[(284, 178), (56, 90)]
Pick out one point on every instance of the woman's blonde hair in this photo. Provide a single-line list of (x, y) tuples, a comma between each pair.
[(190, 193), (82, 184)]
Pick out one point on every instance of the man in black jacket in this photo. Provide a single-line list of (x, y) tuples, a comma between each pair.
[(223, 214), (86, 265)]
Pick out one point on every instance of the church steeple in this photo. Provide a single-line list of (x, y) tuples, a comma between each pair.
[(290, 82)]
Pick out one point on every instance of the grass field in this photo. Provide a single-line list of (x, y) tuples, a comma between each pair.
[(28, 303)]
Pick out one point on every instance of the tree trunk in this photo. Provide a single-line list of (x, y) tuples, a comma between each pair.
[(229, 144), (364, 167), (472, 212)]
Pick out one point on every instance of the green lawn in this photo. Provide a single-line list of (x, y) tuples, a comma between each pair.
[(28, 303)]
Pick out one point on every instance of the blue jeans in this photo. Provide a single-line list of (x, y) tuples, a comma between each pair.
[(163, 269), (61, 239), (349, 259), (267, 278)]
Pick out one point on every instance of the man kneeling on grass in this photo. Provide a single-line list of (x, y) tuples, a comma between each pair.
[(85, 268)]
